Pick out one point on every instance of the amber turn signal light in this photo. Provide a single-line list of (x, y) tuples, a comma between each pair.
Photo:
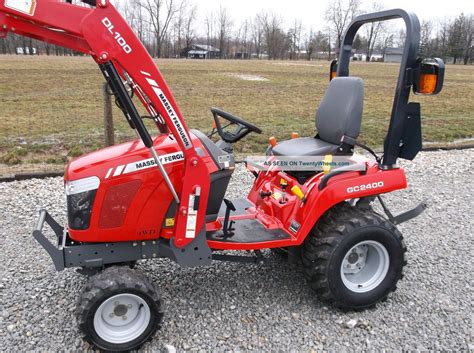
[(428, 76), (428, 83), (333, 70), (273, 141), (295, 135)]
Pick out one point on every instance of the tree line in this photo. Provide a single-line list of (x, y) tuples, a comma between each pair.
[(168, 27)]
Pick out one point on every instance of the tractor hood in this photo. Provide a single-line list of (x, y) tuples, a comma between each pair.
[(130, 157), (109, 160)]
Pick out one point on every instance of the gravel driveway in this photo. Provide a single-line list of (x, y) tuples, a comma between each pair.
[(265, 307)]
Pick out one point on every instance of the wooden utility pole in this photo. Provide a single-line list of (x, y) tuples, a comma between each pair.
[(108, 118)]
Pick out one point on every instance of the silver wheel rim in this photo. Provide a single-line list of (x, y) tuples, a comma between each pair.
[(365, 266), (122, 318)]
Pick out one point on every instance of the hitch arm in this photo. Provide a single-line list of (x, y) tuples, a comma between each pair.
[(405, 216)]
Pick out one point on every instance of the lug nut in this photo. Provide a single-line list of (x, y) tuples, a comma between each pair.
[(111, 315), (124, 318), (129, 306)]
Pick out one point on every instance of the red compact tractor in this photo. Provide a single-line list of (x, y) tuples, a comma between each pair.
[(162, 196)]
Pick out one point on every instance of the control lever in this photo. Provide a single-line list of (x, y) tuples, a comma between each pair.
[(227, 227)]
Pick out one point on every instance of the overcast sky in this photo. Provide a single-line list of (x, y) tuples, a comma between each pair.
[(311, 12)]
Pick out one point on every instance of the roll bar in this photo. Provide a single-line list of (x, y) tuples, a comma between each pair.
[(401, 107)]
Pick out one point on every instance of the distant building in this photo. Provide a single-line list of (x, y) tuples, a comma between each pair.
[(200, 51), (359, 57), (259, 56), (242, 55), (393, 55), (26, 51), (324, 55), (376, 57)]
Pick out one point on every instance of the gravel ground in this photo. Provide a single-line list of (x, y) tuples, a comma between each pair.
[(230, 306)]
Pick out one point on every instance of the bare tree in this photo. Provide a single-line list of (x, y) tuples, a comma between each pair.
[(294, 38), (224, 27), (328, 31), (339, 14), (309, 44), (178, 29), (442, 38), (468, 51), (209, 28), (3, 46), (161, 13), (189, 25), (457, 36), (399, 38), (242, 39), (316, 44), (275, 38), (426, 42), (134, 14), (257, 33), (372, 30), (386, 39)]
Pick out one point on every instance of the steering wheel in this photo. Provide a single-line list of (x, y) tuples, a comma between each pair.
[(243, 127)]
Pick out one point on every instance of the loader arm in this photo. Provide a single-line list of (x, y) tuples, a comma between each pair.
[(102, 33)]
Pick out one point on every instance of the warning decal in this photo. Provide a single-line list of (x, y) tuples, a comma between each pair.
[(24, 6), (191, 219)]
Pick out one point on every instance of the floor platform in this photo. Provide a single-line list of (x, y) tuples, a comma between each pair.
[(249, 231)]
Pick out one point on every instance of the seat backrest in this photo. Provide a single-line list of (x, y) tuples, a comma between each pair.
[(340, 111)]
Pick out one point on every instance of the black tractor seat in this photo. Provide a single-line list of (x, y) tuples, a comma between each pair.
[(338, 115), (304, 146)]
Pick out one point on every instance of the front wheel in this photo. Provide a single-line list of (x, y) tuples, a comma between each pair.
[(353, 257), (119, 310)]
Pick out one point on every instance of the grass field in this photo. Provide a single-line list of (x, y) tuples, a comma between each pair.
[(51, 108)]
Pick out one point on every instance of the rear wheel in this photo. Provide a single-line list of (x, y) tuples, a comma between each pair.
[(119, 310), (353, 257)]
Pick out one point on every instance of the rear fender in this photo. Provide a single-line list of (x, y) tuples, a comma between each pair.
[(347, 186)]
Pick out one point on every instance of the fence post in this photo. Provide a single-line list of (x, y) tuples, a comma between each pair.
[(108, 118)]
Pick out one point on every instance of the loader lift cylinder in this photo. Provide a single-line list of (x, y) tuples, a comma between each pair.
[(133, 117)]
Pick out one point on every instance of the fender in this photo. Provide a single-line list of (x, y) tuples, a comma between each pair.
[(350, 185)]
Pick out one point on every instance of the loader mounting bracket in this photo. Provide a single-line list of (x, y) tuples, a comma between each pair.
[(96, 255)]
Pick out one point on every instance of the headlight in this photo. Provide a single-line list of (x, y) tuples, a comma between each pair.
[(80, 199)]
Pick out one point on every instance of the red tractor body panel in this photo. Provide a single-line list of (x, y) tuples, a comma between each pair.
[(272, 214), (133, 198)]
